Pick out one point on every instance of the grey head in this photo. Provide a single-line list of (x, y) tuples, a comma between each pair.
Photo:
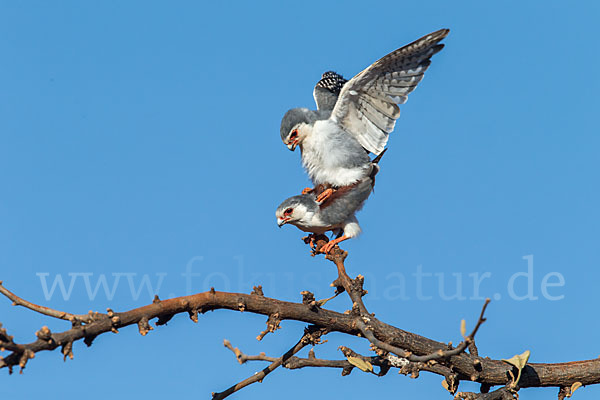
[(296, 209), (297, 123)]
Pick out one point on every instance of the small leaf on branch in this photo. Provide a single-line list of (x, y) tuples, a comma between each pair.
[(574, 387), (463, 328), (445, 385), (519, 361), (360, 364)]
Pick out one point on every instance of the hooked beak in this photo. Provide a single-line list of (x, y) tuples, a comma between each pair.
[(292, 146), (282, 221)]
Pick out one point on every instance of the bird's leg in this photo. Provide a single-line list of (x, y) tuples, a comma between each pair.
[(307, 190), (324, 195), (329, 245)]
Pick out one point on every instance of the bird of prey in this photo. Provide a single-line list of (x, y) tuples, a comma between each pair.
[(354, 118), (336, 213)]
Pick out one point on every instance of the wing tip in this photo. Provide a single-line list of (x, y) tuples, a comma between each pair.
[(439, 34)]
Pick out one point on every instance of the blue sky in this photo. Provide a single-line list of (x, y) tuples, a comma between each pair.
[(140, 140)]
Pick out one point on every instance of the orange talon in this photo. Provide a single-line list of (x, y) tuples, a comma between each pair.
[(329, 245), (310, 240), (324, 195), (307, 190)]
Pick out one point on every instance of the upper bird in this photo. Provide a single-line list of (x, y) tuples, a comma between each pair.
[(356, 115)]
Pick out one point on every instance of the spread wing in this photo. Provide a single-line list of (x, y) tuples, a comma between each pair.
[(367, 107), (328, 89)]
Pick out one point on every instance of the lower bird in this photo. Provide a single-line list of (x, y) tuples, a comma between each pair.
[(336, 213)]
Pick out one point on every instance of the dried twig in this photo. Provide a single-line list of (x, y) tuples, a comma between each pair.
[(18, 301), (354, 288), (504, 393), (295, 362), (311, 335), (428, 357)]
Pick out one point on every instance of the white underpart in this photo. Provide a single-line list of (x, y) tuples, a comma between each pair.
[(311, 222), (323, 155)]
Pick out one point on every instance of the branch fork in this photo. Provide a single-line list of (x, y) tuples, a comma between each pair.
[(394, 348)]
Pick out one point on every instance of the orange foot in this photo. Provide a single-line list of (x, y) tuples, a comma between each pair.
[(329, 245), (307, 190), (310, 240), (324, 195)]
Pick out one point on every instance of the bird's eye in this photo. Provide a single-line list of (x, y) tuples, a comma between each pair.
[(289, 211), (294, 134)]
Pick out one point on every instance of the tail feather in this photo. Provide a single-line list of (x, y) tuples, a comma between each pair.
[(375, 168), (378, 158)]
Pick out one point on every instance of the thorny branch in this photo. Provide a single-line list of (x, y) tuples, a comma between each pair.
[(393, 347), (366, 331), (504, 393), (312, 335), (385, 363), (17, 301)]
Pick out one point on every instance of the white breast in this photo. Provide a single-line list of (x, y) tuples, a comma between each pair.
[(313, 223), (326, 154)]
